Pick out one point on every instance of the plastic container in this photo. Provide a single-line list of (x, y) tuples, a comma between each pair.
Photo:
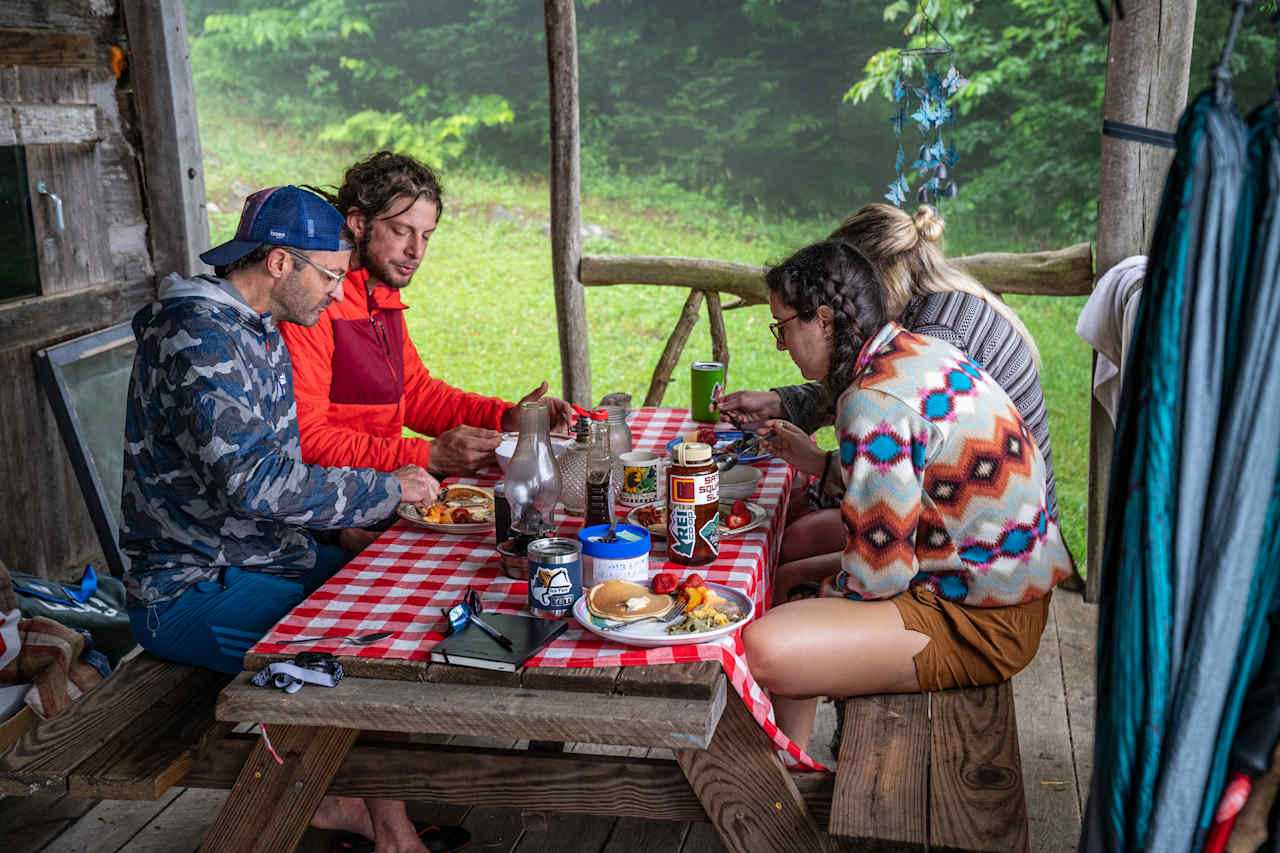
[(626, 559)]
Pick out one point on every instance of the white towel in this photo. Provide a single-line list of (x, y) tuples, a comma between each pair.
[(1106, 324)]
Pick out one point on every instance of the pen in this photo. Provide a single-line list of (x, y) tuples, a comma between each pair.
[(499, 637)]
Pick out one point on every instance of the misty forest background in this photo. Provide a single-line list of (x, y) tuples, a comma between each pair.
[(731, 129)]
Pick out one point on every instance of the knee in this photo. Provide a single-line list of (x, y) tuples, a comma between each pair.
[(767, 658)]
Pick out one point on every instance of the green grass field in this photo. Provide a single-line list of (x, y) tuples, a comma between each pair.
[(482, 310)]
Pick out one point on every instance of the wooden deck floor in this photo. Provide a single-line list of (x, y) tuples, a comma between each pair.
[(1054, 696)]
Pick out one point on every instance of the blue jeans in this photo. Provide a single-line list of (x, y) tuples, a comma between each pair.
[(214, 624)]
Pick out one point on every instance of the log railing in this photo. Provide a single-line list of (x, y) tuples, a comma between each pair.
[(1062, 272)]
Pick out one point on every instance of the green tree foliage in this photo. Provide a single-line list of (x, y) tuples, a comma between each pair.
[(746, 101)]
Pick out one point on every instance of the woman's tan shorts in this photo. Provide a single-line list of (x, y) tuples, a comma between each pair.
[(971, 646)]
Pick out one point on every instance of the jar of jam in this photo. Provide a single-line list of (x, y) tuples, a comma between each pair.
[(693, 505)]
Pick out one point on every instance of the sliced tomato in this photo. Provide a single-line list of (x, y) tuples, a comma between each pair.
[(461, 515)]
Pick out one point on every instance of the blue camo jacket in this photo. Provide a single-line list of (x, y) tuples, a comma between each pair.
[(213, 471)]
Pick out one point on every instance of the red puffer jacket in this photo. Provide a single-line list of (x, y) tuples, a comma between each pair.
[(359, 381)]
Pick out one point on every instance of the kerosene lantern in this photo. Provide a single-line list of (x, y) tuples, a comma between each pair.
[(532, 488)]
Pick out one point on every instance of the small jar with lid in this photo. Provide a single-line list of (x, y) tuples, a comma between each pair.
[(625, 556), (693, 505), (619, 437)]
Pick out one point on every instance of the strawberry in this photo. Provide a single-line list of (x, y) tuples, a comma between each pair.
[(740, 508), (694, 579), (734, 521), (663, 583)]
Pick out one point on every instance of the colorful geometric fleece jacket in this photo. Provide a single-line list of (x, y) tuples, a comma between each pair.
[(945, 486), (213, 471)]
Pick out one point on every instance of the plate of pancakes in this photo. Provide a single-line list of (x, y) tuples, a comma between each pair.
[(614, 604)]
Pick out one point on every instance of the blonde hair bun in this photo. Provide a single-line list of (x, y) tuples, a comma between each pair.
[(929, 223)]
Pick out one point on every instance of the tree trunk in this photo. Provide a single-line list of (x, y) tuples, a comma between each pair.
[(1148, 66), (566, 190)]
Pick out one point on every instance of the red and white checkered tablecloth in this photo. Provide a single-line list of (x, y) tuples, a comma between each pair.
[(404, 580)]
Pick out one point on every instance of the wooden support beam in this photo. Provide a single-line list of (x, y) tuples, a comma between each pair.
[(566, 191), (719, 338), (747, 793), (675, 346), (508, 778), (1148, 66), (272, 802), (377, 705), (881, 794), (46, 124), (1061, 272), (48, 49), (173, 169)]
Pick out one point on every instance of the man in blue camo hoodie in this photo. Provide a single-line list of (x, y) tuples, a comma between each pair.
[(217, 503)]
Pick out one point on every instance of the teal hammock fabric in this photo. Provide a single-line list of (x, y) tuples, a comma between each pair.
[(1259, 294), (1149, 635)]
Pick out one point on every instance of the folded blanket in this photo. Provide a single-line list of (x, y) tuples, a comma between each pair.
[(49, 658)]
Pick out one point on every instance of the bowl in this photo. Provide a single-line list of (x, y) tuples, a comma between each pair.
[(739, 482), (508, 447)]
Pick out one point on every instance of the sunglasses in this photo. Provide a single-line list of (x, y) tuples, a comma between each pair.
[(467, 612)]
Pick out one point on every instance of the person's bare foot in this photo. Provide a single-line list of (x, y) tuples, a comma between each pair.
[(348, 814), (393, 831)]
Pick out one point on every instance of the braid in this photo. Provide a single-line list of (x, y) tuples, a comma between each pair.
[(837, 275)]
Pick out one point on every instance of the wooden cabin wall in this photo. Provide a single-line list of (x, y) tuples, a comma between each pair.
[(61, 100)]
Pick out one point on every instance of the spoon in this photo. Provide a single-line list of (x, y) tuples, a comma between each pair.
[(358, 640)]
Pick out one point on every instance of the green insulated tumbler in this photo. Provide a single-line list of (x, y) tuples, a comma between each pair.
[(706, 383)]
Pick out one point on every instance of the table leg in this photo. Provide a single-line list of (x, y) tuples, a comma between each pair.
[(271, 804), (746, 791)]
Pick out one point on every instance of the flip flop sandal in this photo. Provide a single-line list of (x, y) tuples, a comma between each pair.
[(438, 838)]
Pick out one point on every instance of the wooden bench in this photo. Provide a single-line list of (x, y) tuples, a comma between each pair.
[(933, 771), (131, 738)]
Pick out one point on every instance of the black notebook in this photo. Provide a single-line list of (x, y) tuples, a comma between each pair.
[(473, 647)]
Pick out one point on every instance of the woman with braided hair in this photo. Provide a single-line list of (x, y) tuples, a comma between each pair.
[(928, 295), (950, 549)]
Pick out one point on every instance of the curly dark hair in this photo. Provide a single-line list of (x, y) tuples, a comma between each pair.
[(835, 274), (371, 185)]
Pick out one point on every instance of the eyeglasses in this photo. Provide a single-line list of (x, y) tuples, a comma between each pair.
[(334, 277), (776, 327)]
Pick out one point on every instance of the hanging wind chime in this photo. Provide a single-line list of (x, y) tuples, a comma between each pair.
[(935, 161)]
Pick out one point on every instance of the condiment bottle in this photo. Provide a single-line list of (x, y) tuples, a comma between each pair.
[(599, 477), (693, 505)]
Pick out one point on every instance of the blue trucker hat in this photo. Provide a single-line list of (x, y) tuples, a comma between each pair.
[(282, 216)]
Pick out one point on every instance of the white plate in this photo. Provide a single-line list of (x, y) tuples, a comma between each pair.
[(758, 517), (651, 635), (409, 513)]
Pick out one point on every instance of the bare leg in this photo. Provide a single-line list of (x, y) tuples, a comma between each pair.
[(393, 831), (830, 647), (343, 813), (818, 532), (814, 568)]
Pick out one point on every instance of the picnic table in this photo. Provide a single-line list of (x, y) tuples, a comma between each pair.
[(697, 700)]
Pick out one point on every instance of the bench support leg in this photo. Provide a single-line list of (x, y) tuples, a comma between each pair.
[(746, 791), (271, 804)]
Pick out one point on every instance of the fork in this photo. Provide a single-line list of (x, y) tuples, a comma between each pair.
[(355, 640), (666, 618)]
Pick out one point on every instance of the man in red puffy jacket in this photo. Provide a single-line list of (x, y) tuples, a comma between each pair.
[(358, 377)]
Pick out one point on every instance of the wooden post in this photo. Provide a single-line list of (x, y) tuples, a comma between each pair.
[(1148, 65), (719, 338), (173, 170), (671, 352), (566, 189)]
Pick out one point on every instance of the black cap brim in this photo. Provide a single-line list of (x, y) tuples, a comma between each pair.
[(229, 252)]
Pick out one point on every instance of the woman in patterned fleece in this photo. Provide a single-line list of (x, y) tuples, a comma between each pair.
[(950, 546)]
